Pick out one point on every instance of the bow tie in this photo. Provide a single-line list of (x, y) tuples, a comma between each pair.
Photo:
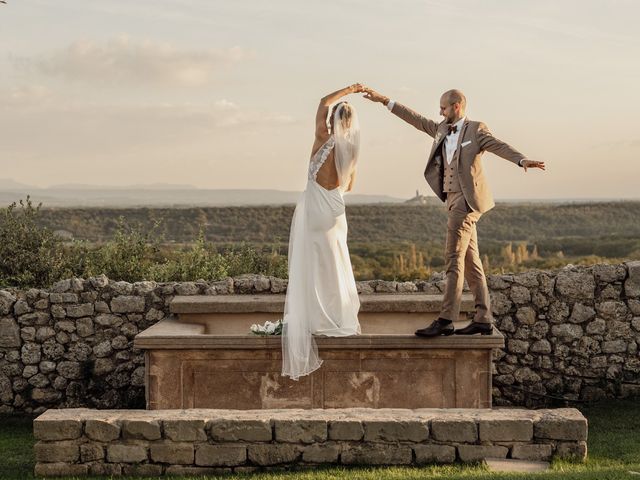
[(452, 129)]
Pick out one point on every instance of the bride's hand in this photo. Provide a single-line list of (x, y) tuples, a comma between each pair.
[(357, 88)]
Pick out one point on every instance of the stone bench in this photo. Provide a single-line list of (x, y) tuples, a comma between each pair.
[(200, 441), (205, 357)]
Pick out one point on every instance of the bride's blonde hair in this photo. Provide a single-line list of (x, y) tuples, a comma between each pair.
[(345, 116)]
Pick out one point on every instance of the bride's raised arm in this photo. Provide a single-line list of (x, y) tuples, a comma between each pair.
[(326, 102)]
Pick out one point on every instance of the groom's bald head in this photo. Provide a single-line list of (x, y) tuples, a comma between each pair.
[(453, 104)]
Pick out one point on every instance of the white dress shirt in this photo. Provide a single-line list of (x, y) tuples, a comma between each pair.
[(451, 141)]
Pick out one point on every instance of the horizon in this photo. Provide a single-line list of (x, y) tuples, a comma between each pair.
[(223, 96)]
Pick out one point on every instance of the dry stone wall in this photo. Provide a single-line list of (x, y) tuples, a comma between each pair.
[(570, 334)]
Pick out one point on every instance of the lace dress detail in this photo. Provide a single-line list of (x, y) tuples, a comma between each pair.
[(320, 157)]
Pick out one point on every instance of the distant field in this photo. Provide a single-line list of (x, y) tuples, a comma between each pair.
[(392, 241)]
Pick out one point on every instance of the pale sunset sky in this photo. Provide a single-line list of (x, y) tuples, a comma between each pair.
[(223, 94)]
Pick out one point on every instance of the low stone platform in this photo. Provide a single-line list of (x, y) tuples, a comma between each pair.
[(195, 442), (206, 357)]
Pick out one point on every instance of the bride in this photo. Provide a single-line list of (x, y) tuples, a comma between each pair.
[(321, 295)]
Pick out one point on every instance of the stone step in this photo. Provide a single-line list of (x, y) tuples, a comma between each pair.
[(379, 313), (199, 442), (271, 303)]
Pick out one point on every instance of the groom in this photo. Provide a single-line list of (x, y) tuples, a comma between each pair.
[(454, 172)]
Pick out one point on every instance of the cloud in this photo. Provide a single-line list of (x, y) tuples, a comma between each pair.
[(127, 61)]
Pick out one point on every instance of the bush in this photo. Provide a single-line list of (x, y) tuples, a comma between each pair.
[(30, 255)]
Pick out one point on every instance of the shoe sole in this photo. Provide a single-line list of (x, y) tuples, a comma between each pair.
[(447, 333)]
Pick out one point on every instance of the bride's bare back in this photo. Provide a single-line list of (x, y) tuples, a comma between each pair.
[(327, 176)]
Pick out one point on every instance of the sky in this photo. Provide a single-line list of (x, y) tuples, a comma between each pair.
[(222, 94)]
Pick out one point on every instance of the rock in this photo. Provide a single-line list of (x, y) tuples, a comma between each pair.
[(395, 431), (9, 332), (6, 392), (506, 430), (576, 285), (434, 454), (614, 346), (60, 469), (535, 452), (526, 375), (541, 346), (560, 425), (612, 310), (128, 453), (183, 430), (278, 285), (526, 315), (35, 318), (103, 349), (346, 430), (81, 310), (364, 287), (45, 395), (239, 430), (51, 430), (384, 286), (558, 312), (141, 429), (567, 332), (102, 430), (321, 453), (39, 380), (498, 282), (31, 353), (221, 455), (539, 329), (7, 300), (174, 453), (571, 451), (21, 307), (142, 470), (377, 454), (29, 371), (500, 304), (127, 304), (597, 327), (84, 326), (474, 453), (121, 288), (99, 282), (632, 284), (109, 320), (581, 313), (520, 295), (70, 370), (272, 454), (454, 430), (527, 279), (517, 346), (300, 431), (609, 273), (90, 452), (187, 288), (407, 287)]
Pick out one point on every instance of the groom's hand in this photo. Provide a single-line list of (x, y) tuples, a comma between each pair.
[(532, 164), (371, 94)]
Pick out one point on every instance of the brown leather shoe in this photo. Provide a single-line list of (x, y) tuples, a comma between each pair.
[(440, 326), (475, 327)]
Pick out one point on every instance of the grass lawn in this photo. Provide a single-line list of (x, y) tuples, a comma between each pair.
[(614, 453)]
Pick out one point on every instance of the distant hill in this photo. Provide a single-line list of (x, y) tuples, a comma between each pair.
[(158, 195)]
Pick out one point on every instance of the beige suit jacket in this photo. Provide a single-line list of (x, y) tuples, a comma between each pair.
[(476, 138)]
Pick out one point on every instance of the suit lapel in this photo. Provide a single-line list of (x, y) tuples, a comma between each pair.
[(441, 134), (456, 153)]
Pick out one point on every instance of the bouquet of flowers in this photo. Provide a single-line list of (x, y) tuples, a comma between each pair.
[(269, 328)]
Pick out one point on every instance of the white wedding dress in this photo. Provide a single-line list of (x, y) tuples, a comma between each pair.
[(321, 295)]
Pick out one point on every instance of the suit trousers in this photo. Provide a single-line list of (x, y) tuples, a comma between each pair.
[(462, 260)]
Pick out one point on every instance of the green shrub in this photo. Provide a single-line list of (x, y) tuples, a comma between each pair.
[(30, 255)]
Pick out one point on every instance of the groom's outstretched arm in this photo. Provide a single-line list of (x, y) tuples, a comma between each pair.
[(405, 113)]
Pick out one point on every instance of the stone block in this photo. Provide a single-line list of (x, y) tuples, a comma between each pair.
[(105, 469), (571, 451), (576, 285), (506, 430), (475, 453), (81, 310), (454, 430), (434, 453), (325, 453), (60, 469), (51, 452), (272, 454), (57, 429), (300, 431), (571, 426), (174, 453), (346, 430), (221, 455), (183, 430), (127, 304), (632, 284), (537, 452), (9, 333), (101, 430), (126, 453), (141, 429), (377, 454), (142, 470), (182, 471), (90, 452), (394, 431)]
